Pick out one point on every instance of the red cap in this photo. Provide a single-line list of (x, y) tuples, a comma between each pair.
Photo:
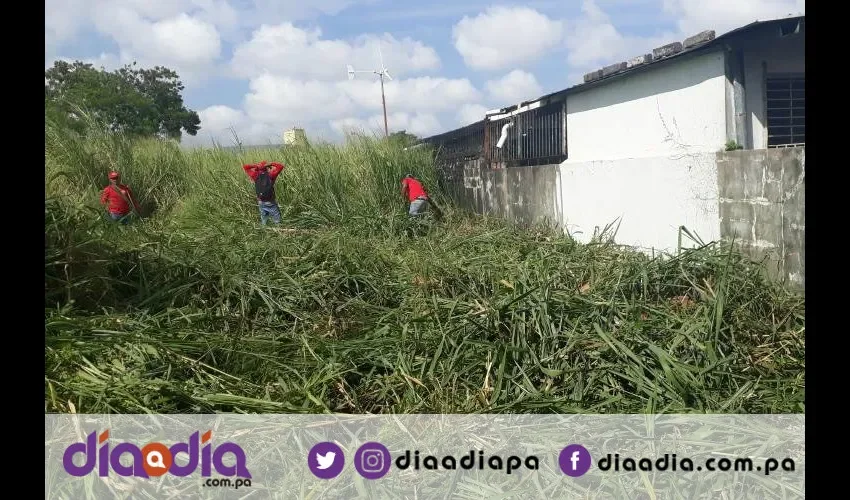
[(113, 175)]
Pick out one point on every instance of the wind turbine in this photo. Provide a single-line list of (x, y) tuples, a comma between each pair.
[(382, 73)]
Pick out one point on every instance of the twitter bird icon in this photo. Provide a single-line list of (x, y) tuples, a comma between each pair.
[(326, 460)]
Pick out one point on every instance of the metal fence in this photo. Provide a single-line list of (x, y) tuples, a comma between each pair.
[(535, 138), (461, 144)]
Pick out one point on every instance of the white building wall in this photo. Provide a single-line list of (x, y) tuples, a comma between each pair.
[(675, 108), (642, 153), (652, 197)]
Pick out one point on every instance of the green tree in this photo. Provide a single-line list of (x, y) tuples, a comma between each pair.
[(404, 138), (137, 101)]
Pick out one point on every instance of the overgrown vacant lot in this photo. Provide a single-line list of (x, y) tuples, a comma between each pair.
[(197, 309)]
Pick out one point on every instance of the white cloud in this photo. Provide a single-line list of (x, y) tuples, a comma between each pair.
[(515, 87), (220, 14), (219, 118), (63, 19), (296, 77), (413, 94), (593, 38), (185, 39), (725, 15), (351, 124), (470, 113), (288, 50), (276, 103), (502, 37), (314, 100), (220, 122), (420, 124), (143, 28), (153, 9), (279, 11), (593, 41), (217, 122), (273, 98), (184, 43)]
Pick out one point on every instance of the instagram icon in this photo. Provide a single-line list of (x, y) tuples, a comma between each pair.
[(372, 460)]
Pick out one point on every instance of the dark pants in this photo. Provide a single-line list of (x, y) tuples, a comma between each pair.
[(122, 218), (269, 209)]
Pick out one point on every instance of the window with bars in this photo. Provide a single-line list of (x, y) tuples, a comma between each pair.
[(536, 137), (786, 110)]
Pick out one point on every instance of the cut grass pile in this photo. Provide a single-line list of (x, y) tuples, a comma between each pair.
[(196, 309)]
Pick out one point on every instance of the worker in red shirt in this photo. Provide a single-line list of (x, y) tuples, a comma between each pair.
[(264, 180), (416, 195), (119, 199)]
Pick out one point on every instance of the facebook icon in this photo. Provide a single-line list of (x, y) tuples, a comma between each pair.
[(574, 460)]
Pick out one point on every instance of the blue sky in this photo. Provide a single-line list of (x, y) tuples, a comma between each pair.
[(262, 66)]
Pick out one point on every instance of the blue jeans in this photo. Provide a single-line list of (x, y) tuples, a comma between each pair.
[(418, 206), (269, 209), (123, 219)]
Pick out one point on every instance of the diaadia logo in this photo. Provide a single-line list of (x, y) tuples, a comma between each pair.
[(154, 459)]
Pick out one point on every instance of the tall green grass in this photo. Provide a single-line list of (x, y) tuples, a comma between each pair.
[(195, 308)]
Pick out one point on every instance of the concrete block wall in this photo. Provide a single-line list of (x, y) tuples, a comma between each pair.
[(526, 195), (450, 177), (763, 206), (755, 196)]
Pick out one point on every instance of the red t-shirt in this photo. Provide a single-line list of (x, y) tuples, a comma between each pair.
[(253, 173), (114, 202), (414, 188)]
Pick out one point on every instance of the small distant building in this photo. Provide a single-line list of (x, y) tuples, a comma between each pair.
[(294, 136)]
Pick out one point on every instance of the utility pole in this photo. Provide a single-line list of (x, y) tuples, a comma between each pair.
[(382, 73), (384, 103)]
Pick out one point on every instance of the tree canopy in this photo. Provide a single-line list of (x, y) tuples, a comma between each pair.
[(137, 101), (404, 138)]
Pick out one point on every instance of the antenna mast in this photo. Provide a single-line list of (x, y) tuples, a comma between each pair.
[(383, 99), (382, 73)]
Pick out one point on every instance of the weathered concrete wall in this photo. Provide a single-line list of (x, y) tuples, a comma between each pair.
[(526, 195), (763, 205), (755, 196)]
